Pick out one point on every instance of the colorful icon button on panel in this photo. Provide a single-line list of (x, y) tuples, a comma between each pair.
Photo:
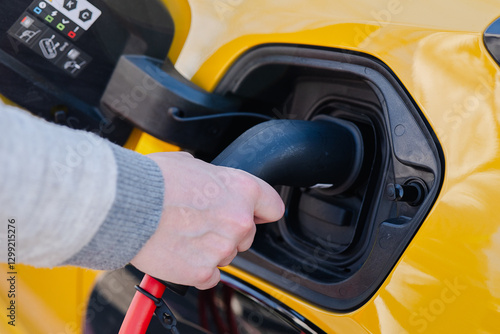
[(56, 18), (82, 12)]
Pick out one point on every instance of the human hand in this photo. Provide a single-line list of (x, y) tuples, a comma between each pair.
[(209, 215)]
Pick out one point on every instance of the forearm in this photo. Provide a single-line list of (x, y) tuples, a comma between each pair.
[(77, 199)]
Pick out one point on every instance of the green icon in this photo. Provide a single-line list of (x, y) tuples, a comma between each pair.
[(61, 26), (49, 18)]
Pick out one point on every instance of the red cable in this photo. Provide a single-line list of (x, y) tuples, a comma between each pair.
[(142, 308)]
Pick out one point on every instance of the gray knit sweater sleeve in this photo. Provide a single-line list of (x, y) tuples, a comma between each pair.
[(76, 199)]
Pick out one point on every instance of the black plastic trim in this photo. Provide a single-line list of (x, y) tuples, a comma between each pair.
[(278, 309), (390, 237)]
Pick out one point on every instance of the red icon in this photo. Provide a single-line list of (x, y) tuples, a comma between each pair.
[(71, 34)]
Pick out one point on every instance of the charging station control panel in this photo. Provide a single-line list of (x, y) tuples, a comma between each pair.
[(50, 28)]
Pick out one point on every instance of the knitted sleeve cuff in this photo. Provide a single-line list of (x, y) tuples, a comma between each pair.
[(133, 217)]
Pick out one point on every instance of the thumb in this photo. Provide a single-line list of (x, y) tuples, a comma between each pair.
[(269, 206)]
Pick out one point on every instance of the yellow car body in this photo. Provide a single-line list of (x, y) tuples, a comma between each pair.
[(448, 278)]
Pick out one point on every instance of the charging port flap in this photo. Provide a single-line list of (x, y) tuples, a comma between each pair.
[(336, 245)]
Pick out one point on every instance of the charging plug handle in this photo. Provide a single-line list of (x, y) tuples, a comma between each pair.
[(299, 153)]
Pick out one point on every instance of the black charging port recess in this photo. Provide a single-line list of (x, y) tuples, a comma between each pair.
[(335, 246)]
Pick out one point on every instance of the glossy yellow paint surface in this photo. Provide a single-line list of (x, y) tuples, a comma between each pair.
[(145, 144), (181, 15), (448, 280), (47, 300)]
